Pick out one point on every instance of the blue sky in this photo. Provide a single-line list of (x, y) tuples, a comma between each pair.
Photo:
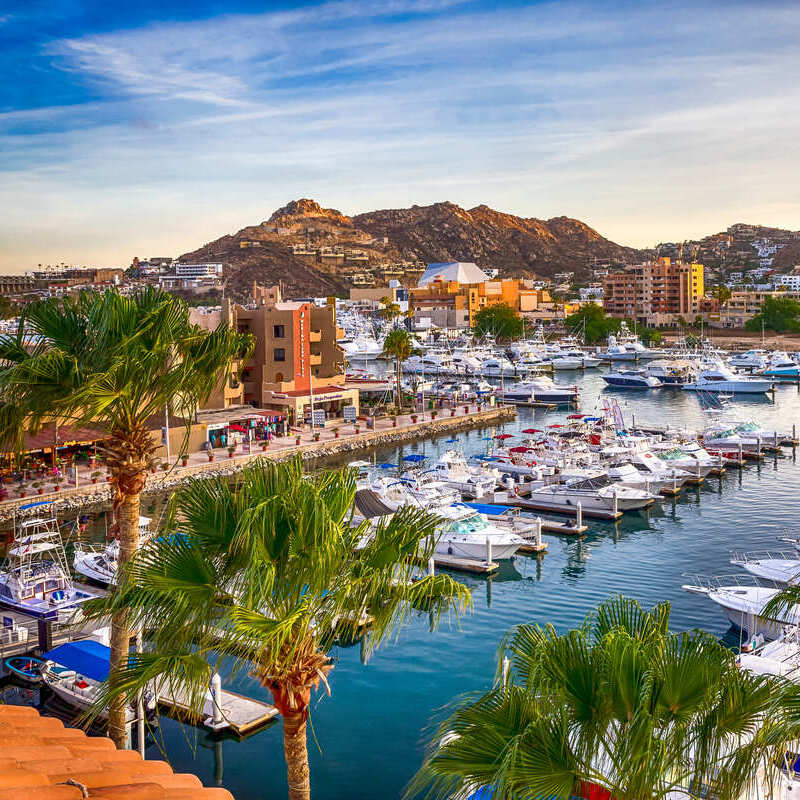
[(151, 128)]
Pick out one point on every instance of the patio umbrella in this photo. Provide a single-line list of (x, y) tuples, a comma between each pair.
[(532, 430), (504, 436)]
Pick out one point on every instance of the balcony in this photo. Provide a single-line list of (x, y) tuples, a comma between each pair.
[(315, 360), (315, 336)]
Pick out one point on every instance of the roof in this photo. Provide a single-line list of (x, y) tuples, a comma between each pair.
[(39, 755), (87, 657), (66, 435), (322, 390), (461, 271)]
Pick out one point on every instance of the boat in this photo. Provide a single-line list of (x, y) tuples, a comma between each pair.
[(431, 363), (625, 346), (464, 533), (743, 607), (539, 390), (100, 564), (599, 494), (76, 671), (780, 657), (361, 348), (719, 378), (671, 373), (752, 359), (411, 489), (25, 668), (782, 568), (37, 579), (473, 481), (499, 367), (781, 366), (631, 379)]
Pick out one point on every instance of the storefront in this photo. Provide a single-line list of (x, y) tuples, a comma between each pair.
[(241, 427), (328, 399)]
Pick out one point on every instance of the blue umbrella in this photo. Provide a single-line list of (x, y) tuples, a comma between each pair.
[(450, 441), (414, 457)]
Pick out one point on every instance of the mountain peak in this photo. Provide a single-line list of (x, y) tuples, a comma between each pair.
[(306, 207)]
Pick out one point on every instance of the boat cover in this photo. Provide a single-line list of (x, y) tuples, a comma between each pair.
[(490, 509), (369, 504), (415, 457), (87, 657)]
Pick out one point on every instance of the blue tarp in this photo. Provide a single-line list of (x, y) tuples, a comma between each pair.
[(489, 508), (387, 465), (486, 458), (591, 419), (87, 658), (415, 457)]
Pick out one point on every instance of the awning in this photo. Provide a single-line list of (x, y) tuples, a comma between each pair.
[(490, 509), (87, 657)]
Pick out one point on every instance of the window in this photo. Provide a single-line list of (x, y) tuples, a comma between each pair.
[(278, 377), (279, 354), (279, 331)]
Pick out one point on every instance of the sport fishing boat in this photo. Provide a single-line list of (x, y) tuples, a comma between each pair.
[(743, 606), (473, 481), (671, 373), (99, 564), (689, 456), (465, 531), (36, 579), (573, 359), (361, 348), (499, 367), (76, 671), (780, 657), (411, 489), (539, 390), (631, 379), (720, 378)]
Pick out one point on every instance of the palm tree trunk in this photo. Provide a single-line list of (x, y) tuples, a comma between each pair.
[(296, 755), (128, 518)]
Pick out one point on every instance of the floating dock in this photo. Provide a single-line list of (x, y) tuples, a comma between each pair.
[(472, 565), (241, 715), (532, 505)]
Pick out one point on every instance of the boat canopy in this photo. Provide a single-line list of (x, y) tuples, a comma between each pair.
[(490, 509), (86, 657)]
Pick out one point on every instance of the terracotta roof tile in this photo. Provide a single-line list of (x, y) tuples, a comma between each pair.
[(38, 754)]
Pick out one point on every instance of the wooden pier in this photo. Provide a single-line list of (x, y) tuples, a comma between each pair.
[(459, 564)]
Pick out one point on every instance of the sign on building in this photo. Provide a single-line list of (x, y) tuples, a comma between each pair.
[(349, 413)]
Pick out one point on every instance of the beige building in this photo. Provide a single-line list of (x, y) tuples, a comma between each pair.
[(744, 305)]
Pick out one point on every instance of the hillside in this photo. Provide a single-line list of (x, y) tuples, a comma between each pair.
[(318, 251)]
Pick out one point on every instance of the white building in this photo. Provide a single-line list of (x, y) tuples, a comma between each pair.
[(790, 282), (197, 270), (587, 293)]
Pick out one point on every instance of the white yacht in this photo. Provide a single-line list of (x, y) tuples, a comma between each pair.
[(719, 378), (780, 657), (473, 481), (539, 390), (625, 346), (464, 533), (431, 363), (752, 359), (743, 606), (783, 568), (36, 579), (411, 489), (689, 456), (99, 564), (594, 494), (361, 348), (498, 367), (466, 363)]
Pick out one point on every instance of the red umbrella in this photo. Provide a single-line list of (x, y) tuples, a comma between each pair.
[(575, 416), (519, 449), (504, 436), (532, 430), (555, 426)]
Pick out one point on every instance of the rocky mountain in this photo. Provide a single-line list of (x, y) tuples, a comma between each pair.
[(316, 250)]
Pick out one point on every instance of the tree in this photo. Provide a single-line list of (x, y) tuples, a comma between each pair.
[(269, 573), (390, 311), (398, 344), (779, 314), (111, 362), (619, 708), (722, 293), (592, 323), (500, 321)]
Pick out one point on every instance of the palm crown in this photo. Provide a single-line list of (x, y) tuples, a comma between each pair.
[(618, 708)]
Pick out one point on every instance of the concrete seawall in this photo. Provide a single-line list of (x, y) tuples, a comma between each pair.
[(91, 496)]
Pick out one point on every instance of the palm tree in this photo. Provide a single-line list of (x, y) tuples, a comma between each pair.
[(269, 573), (111, 362), (390, 310), (398, 344), (619, 708)]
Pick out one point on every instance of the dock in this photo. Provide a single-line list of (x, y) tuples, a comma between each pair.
[(532, 505), (239, 714)]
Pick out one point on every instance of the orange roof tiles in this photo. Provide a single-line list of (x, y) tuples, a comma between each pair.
[(38, 755)]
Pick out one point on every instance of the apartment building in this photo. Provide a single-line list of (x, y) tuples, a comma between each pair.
[(655, 292), (296, 363), (744, 305)]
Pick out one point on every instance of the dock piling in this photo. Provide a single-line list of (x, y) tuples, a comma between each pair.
[(579, 518), (488, 550), (431, 567)]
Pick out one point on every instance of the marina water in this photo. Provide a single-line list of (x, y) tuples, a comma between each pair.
[(367, 738)]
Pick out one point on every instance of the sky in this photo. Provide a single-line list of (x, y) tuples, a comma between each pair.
[(150, 128)]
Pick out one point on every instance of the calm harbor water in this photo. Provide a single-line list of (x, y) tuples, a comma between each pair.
[(369, 733)]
